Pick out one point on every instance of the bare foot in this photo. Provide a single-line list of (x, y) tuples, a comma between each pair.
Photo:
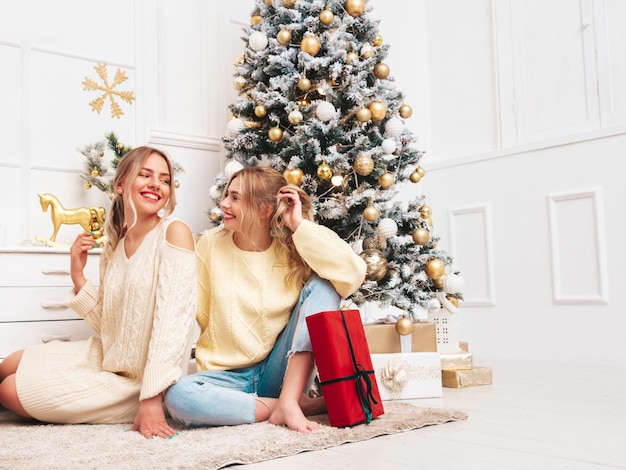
[(312, 406), (291, 415)]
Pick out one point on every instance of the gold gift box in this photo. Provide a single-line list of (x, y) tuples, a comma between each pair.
[(467, 378), (456, 361), (383, 338)]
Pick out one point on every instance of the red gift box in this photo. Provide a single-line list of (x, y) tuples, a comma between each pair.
[(345, 367)]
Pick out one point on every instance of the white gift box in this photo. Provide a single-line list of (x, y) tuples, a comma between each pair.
[(404, 376)]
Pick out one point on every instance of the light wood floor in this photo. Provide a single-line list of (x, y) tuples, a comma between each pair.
[(536, 415)]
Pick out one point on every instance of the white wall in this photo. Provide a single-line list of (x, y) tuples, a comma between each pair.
[(522, 117)]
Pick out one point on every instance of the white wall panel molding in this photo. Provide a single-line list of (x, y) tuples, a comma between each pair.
[(471, 247), (578, 247), (517, 150), (173, 139)]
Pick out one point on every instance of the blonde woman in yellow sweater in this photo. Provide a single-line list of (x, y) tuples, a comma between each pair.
[(142, 315), (261, 273)]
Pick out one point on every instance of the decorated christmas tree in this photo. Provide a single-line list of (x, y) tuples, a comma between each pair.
[(318, 102)]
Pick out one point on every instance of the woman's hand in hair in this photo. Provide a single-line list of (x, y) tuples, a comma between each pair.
[(292, 215)]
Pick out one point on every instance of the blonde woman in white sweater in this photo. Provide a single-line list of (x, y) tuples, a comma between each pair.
[(261, 274), (141, 314)]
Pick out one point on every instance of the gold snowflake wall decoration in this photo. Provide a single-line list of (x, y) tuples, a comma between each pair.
[(108, 90)]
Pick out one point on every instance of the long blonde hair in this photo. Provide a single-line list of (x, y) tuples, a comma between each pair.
[(259, 187), (127, 170)]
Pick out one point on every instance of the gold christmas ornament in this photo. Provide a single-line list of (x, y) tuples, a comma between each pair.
[(255, 19), (376, 263), (364, 115), (429, 221), (415, 177), (239, 61), (327, 17), (364, 164), (295, 117), (453, 300), (435, 268), (438, 283), (268, 3), (284, 36), (404, 326), (355, 7), (371, 213), (239, 83), (289, 3), (176, 184), (386, 180), (216, 214), (405, 111), (120, 146), (381, 70), (304, 84), (87, 185), (420, 236), (252, 124), (95, 173), (425, 211), (370, 243), (294, 176), (311, 45), (377, 41), (275, 134), (260, 111), (324, 172), (378, 110), (352, 58)]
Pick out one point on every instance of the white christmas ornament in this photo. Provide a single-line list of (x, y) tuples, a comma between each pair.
[(232, 167), (394, 127), (387, 228), (325, 111), (453, 283), (215, 192), (234, 126), (389, 146), (257, 41)]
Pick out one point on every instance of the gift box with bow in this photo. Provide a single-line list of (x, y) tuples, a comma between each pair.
[(345, 367)]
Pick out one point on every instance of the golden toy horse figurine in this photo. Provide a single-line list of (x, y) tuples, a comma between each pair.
[(91, 219)]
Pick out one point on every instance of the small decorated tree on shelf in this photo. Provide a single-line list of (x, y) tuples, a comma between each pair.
[(95, 169), (318, 102)]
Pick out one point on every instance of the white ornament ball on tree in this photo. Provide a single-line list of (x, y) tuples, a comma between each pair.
[(325, 111), (394, 127), (387, 228), (453, 283), (234, 126), (389, 146), (258, 41), (232, 167), (215, 192)]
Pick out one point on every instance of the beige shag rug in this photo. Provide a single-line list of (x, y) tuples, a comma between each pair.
[(25, 445)]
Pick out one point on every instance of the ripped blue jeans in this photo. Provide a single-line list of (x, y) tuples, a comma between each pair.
[(228, 397)]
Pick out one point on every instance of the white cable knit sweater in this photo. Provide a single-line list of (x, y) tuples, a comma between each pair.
[(143, 314)]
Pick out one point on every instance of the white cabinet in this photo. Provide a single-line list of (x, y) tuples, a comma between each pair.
[(34, 285)]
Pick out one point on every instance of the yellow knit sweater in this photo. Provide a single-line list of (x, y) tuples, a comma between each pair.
[(244, 302)]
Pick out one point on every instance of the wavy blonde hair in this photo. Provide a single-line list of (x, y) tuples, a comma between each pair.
[(259, 187), (127, 170)]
